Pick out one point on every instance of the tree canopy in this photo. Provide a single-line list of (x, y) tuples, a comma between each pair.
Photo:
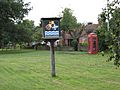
[(68, 21), (12, 13), (112, 13), (25, 31)]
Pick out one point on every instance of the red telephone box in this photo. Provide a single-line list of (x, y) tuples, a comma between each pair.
[(92, 43)]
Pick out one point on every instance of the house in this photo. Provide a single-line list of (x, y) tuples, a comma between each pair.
[(89, 28)]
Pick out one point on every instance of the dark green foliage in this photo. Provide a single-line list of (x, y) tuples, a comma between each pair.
[(112, 37), (115, 34), (103, 37), (12, 12), (68, 21), (37, 35), (25, 31), (74, 43)]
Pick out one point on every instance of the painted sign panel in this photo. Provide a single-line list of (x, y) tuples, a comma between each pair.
[(51, 28)]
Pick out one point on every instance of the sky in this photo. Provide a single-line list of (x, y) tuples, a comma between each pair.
[(84, 10)]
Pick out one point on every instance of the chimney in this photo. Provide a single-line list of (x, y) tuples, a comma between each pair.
[(89, 23)]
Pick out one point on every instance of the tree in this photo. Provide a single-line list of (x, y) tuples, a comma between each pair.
[(37, 35), (11, 12), (75, 34), (68, 21), (25, 31), (112, 13), (69, 24), (103, 34)]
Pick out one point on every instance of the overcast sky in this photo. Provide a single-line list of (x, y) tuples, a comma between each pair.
[(84, 10)]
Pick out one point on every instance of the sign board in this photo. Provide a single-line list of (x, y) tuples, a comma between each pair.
[(51, 28)]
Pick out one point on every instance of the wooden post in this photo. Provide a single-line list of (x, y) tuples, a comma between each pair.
[(52, 53)]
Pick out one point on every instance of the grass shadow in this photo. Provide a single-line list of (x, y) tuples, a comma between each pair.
[(15, 51), (73, 52)]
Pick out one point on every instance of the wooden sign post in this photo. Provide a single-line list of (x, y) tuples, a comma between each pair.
[(52, 52), (51, 33)]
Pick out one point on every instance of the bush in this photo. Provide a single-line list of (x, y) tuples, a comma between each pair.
[(74, 44)]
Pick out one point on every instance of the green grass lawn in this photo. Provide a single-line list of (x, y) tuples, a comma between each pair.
[(30, 70)]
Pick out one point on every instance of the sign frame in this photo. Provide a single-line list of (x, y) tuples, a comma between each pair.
[(55, 32)]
